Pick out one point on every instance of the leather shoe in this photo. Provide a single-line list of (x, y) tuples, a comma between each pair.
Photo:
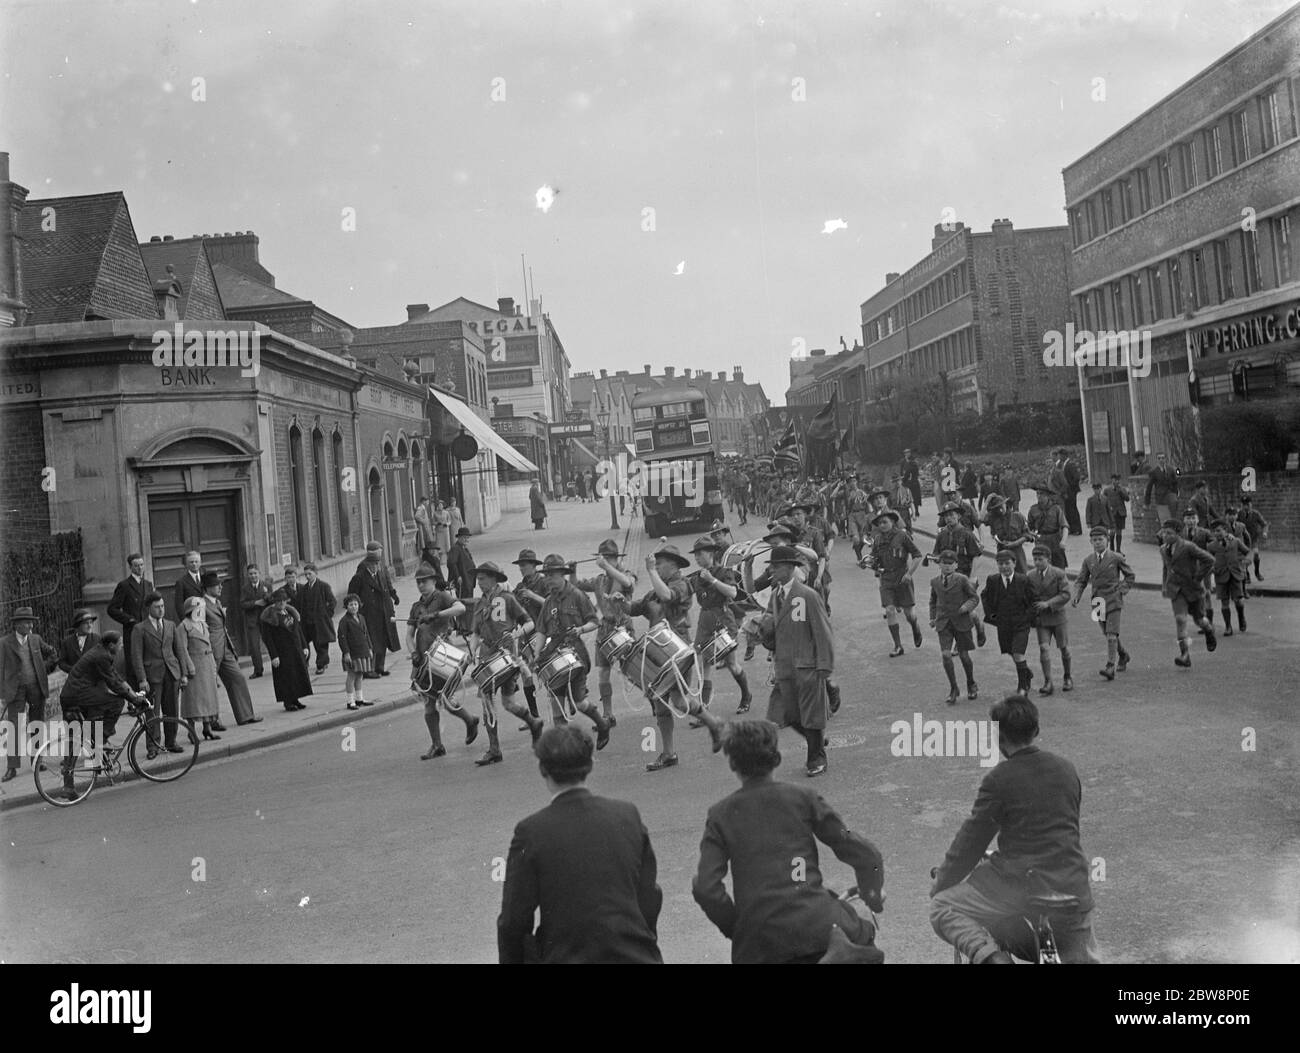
[(817, 769), (664, 760), (250, 720), (602, 736), (490, 757), (471, 731), (434, 751), (10, 773), (218, 726), (896, 651), (173, 748), (972, 691), (254, 676)]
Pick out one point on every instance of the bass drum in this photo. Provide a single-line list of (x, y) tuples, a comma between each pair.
[(738, 558)]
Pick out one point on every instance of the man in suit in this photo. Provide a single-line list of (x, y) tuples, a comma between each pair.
[(763, 831), (188, 584), (1117, 498), (157, 661), (1031, 802), (25, 660), (255, 598), (316, 605), (803, 656), (586, 863), (290, 585), (461, 570), (1069, 489), (953, 601), (223, 653), (1009, 605), (1162, 482), (127, 605), (378, 599), (1009, 486), (77, 640), (1185, 565), (1097, 511)]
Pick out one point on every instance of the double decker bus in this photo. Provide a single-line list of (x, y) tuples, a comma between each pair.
[(674, 441)]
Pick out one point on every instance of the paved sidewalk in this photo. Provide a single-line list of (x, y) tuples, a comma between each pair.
[(327, 708)]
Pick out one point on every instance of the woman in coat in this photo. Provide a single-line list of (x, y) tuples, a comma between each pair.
[(282, 634), (537, 505), (442, 527), (457, 521), (199, 695)]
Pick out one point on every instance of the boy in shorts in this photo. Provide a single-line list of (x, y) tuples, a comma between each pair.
[(1110, 576)]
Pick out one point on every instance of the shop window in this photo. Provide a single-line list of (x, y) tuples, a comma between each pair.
[(320, 492), (340, 496)]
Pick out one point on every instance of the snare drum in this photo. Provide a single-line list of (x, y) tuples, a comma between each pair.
[(444, 667), (665, 652), (494, 670), (719, 646), (561, 669), (738, 557), (616, 644)]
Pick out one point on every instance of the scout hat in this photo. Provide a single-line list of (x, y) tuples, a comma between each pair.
[(883, 514), (951, 506), (425, 573), (792, 508), (1099, 531), (879, 491), (995, 501), (785, 554), (1045, 488), (778, 532), (608, 547), (556, 562), (491, 570), (22, 614), (670, 552), (527, 555), (705, 544)]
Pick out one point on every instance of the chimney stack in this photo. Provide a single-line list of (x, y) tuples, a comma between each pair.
[(506, 304), (238, 251), (647, 370), (670, 372), (686, 373), (722, 375), (414, 310), (892, 277), (737, 375), (942, 233), (12, 197), (604, 374)]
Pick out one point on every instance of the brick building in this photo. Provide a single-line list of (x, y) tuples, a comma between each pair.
[(973, 313), (1184, 229), (254, 454)]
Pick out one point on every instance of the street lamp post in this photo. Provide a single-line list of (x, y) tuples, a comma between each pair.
[(603, 417)]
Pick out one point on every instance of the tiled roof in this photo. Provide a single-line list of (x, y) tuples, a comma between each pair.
[(188, 261), (240, 290), (87, 265)]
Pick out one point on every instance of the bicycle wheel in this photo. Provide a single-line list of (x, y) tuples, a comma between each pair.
[(64, 773), (147, 751)]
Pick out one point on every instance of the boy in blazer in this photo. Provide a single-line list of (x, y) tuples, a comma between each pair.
[(1009, 605), (953, 601), (803, 657), (1109, 575), (1051, 591)]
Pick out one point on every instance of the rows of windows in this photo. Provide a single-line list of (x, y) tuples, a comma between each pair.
[(1240, 264), (944, 355), (1234, 138), (949, 286)]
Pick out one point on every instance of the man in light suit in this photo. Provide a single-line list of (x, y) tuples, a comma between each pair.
[(1009, 605), (158, 662), (25, 660), (188, 584), (127, 605), (586, 863), (803, 656), (223, 653)]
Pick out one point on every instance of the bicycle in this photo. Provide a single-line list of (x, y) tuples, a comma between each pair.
[(66, 771), (1029, 937)]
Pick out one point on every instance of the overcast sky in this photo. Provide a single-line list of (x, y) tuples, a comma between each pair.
[(688, 108)]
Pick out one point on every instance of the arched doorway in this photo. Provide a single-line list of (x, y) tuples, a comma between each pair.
[(375, 502), (392, 505)]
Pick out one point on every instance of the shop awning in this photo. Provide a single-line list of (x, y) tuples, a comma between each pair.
[(482, 432)]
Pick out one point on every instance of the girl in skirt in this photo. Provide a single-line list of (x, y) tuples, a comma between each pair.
[(354, 643)]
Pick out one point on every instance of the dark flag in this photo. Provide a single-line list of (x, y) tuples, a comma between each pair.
[(786, 453), (824, 427)]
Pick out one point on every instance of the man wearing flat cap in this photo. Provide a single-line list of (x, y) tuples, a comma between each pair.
[(25, 662), (803, 657), (378, 605)]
